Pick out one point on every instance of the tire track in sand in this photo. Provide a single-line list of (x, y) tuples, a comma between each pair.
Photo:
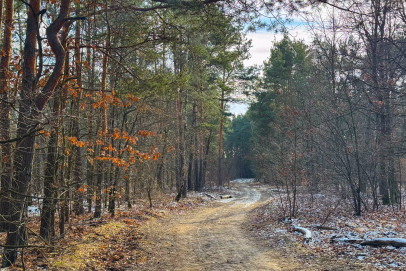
[(211, 238)]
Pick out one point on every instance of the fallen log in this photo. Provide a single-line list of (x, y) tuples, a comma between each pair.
[(209, 196), (306, 232), (381, 242), (225, 197)]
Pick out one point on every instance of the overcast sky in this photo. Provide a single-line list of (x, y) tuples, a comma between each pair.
[(262, 42)]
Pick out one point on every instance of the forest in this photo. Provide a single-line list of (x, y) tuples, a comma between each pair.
[(113, 113)]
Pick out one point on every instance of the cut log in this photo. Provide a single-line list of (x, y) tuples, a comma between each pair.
[(306, 232), (381, 242), (225, 197)]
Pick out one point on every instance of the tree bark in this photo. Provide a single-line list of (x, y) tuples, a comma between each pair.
[(78, 193), (50, 179), (220, 150), (99, 180), (6, 152), (27, 123), (31, 104), (47, 227)]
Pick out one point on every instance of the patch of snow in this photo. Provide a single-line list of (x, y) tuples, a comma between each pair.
[(394, 265), (33, 211), (173, 204), (371, 234), (277, 230), (252, 197), (243, 180), (357, 246), (319, 196), (307, 233), (226, 200), (277, 190), (390, 233)]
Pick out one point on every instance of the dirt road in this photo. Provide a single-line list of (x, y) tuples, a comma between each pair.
[(212, 238)]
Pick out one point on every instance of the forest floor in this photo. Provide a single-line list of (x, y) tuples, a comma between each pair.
[(245, 232), (107, 243), (337, 234)]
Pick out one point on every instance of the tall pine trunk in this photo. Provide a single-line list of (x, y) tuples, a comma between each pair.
[(220, 150), (78, 193), (27, 123), (6, 152), (99, 165), (31, 103), (47, 227), (50, 179)]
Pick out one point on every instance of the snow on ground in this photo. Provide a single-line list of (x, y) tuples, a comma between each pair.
[(243, 181), (252, 197), (247, 196), (33, 211), (341, 234)]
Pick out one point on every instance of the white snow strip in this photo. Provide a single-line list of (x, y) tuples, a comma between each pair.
[(307, 233)]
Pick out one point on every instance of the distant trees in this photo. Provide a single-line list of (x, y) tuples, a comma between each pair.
[(367, 94), (332, 113), (238, 148), (279, 119)]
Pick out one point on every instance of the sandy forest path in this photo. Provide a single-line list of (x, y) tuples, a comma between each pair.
[(212, 238)]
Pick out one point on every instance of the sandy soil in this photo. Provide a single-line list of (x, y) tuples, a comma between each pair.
[(212, 238)]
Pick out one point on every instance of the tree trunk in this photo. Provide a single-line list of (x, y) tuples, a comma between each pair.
[(100, 169), (27, 123), (91, 55), (99, 181), (1, 15), (220, 151), (47, 227), (194, 160), (50, 179), (180, 162), (30, 106), (113, 192), (6, 152), (190, 185), (78, 193)]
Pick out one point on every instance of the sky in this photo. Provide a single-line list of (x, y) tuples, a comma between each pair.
[(262, 42)]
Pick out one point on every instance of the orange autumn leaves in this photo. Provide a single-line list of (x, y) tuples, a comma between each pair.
[(123, 157), (103, 101), (115, 146)]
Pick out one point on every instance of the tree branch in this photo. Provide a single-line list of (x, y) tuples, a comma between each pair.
[(29, 133), (59, 52)]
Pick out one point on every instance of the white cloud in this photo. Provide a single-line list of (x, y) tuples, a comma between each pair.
[(238, 108), (261, 45), (263, 41)]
